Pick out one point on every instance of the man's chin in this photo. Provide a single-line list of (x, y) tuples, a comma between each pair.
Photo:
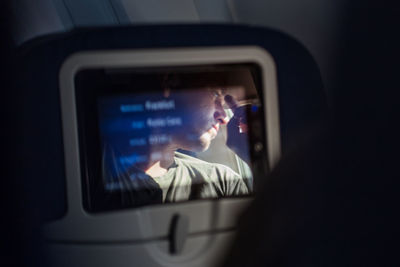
[(202, 145), (197, 144), (205, 141), (205, 147)]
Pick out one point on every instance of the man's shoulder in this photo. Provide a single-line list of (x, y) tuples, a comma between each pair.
[(219, 178), (195, 163), (187, 160), (185, 157)]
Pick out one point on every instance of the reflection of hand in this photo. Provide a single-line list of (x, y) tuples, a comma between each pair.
[(237, 129)]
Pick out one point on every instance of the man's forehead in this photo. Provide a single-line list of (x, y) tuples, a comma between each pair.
[(218, 90), (237, 92)]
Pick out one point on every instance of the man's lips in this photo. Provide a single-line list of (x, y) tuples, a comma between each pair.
[(216, 126)]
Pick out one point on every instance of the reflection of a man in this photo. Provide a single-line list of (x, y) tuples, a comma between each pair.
[(183, 177), (199, 113)]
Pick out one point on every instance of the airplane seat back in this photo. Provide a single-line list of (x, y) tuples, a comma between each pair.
[(302, 100)]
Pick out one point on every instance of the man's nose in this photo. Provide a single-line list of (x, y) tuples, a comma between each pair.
[(219, 114)]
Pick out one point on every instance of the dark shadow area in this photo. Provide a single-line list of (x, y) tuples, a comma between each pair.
[(19, 227), (333, 200)]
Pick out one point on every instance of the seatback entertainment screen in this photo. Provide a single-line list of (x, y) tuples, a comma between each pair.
[(171, 134)]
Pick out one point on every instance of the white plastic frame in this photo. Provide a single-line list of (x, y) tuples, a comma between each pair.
[(152, 222)]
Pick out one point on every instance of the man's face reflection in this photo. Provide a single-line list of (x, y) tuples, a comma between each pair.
[(203, 114)]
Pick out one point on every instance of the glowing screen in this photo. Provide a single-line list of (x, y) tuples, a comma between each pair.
[(169, 135)]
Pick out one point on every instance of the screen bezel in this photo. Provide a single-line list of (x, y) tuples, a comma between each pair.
[(152, 221), (90, 85)]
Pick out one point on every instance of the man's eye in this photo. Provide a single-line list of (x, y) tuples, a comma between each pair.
[(218, 93)]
